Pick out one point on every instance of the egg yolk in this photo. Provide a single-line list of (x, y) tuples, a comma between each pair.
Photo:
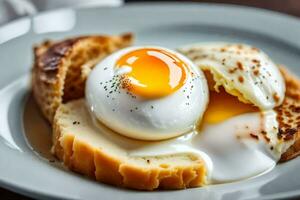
[(222, 105), (153, 73)]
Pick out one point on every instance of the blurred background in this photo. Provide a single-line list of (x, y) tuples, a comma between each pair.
[(14, 9)]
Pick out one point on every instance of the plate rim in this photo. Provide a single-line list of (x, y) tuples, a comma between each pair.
[(35, 192), (263, 11)]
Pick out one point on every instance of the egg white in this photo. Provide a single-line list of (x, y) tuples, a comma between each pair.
[(243, 71)]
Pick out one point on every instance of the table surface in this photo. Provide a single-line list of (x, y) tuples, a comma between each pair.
[(291, 7)]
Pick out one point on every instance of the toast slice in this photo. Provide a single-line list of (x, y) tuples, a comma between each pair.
[(77, 142), (289, 115), (61, 68)]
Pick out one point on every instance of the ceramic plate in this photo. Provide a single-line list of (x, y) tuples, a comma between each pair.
[(170, 25)]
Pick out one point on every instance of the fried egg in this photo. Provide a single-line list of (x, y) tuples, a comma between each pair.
[(148, 93), (242, 79)]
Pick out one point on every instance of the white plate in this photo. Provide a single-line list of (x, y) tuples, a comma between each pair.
[(168, 25)]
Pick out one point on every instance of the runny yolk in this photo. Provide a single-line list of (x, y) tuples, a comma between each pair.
[(222, 105), (153, 72)]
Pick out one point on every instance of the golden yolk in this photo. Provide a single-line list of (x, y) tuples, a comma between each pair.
[(222, 105), (154, 72)]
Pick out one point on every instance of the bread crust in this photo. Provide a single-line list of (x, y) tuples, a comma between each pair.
[(60, 68), (288, 115)]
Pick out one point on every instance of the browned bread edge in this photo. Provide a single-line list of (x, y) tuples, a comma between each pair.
[(60, 68), (289, 115)]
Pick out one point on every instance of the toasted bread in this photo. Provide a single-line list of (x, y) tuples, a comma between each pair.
[(288, 115), (60, 68), (78, 143)]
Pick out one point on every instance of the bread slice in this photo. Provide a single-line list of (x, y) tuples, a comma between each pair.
[(78, 143), (289, 115), (60, 68)]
